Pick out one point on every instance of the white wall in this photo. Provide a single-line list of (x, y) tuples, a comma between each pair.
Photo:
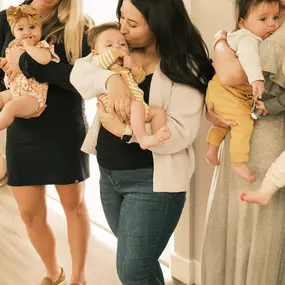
[(209, 16), (6, 3)]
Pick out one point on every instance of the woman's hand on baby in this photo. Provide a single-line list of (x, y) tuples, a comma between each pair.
[(3, 63), (216, 120), (258, 88), (13, 63), (119, 97), (110, 122)]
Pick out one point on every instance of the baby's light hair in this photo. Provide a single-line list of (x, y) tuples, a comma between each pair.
[(14, 14), (98, 30)]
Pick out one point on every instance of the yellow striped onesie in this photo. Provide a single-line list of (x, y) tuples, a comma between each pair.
[(107, 60)]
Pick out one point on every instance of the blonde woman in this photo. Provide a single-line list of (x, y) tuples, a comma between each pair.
[(46, 150)]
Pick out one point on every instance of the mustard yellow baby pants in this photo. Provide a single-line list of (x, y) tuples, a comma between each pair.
[(232, 103)]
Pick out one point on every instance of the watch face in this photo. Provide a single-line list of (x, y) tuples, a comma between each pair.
[(126, 138)]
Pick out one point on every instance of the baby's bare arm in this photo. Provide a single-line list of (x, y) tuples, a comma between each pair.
[(40, 55)]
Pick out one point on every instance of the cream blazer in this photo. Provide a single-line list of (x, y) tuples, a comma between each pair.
[(174, 160)]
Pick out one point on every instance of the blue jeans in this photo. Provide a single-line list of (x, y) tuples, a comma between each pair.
[(142, 221)]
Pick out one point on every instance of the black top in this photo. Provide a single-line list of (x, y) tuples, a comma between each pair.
[(113, 153), (46, 150)]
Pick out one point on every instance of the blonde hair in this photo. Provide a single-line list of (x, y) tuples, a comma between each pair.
[(67, 23), (14, 14)]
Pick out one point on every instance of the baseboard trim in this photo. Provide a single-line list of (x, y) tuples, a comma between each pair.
[(197, 270), (186, 271)]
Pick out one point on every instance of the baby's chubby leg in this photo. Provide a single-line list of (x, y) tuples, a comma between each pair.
[(158, 123), (5, 97), (243, 171), (22, 107), (262, 196)]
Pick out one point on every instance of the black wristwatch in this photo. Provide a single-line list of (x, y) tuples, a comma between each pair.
[(126, 137)]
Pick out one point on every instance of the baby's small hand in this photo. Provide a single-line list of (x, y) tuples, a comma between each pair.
[(131, 65), (128, 62), (258, 88), (18, 42), (28, 42), (260, 106)]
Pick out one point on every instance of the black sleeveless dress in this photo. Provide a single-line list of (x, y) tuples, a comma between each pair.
[(46, 150)]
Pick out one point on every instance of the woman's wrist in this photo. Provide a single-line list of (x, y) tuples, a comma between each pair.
[(127, 135), (121, 130)]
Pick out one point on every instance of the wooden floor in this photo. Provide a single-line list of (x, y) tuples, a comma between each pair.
[(20, 265)]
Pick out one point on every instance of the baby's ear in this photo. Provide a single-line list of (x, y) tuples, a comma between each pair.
[(93, 52), (241, 23)]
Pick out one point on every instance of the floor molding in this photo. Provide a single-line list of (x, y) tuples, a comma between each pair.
[(188, 271)]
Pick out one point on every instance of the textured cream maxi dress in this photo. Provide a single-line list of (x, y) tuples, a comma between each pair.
[(244, 244)]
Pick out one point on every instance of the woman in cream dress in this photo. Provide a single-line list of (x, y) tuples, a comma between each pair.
[(243, 243)]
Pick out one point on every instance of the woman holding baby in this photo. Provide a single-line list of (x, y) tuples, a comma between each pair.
[(143, 191)]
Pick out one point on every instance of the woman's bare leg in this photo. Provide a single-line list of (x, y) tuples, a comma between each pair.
[(32, 205), (78, 226)]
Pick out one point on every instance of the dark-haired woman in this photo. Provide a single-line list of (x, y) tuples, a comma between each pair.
[(143, 191)]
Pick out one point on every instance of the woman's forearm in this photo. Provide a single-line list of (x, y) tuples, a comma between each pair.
[(52, 73), (227, 65)]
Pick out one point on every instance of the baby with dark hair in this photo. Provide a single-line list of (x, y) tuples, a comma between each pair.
[(256, 20)]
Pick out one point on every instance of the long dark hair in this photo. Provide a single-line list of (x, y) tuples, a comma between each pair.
[(183, 53)]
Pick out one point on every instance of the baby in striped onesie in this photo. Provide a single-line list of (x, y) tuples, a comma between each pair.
[(110, 51)]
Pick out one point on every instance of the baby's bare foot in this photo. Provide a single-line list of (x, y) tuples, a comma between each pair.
[(243, 171), (212, 154), (153, 140), (255, 197), (164, 133)]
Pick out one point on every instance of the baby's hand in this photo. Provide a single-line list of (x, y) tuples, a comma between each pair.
[(258, 88), (260, 106), (28, 42), (130, 64)]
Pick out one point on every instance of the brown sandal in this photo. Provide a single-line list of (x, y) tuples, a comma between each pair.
[(60, 281)]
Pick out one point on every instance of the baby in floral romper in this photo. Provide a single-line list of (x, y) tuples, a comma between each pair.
[(26, 98)]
